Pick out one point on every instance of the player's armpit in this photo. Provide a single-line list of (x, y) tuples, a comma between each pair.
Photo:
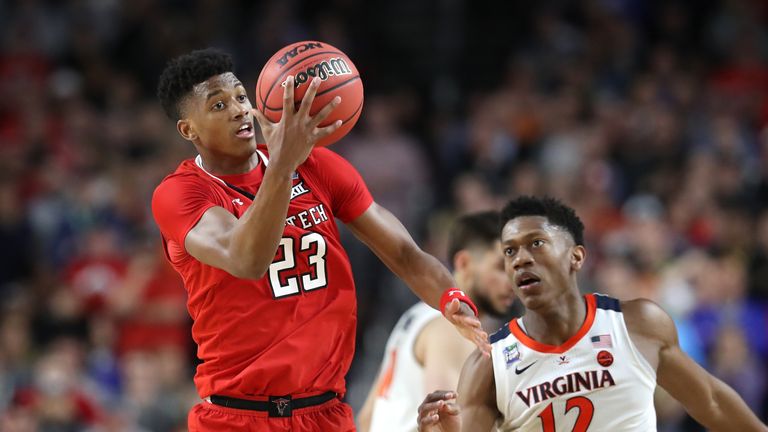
[(477, 394), (707, 399)]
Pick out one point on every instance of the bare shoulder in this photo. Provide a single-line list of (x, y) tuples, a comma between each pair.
[(647, 319)]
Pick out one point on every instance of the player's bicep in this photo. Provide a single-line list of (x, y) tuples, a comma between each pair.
[(208, 241), (477, 394)]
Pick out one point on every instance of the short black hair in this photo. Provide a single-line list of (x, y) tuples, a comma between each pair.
[(555, 211), (476, 229), (182, 73)]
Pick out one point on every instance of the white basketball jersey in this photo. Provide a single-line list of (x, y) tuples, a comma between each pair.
[(401, 388), (596, 381)]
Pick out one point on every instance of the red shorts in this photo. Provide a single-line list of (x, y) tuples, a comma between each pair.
[(331, 416)]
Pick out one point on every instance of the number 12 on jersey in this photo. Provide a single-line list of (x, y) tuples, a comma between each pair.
[(288, 262), (586, 411)]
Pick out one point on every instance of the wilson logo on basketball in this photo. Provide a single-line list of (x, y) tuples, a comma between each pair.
[(335, 66), (293, 52), (605, 358)]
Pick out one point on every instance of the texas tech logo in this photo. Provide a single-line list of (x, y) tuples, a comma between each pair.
[(293, 52), (281, 405), (334, 66)]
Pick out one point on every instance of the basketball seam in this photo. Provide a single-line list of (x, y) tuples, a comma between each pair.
[(353, 114), (357, 77), (278, 79)]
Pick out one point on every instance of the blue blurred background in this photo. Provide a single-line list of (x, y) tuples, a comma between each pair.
[(648, 117)]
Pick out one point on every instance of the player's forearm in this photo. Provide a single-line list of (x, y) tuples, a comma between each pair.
[(425, 275), (254, 240), (391, 242), (728, 412)]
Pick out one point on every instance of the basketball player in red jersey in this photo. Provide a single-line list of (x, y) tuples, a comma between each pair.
[(251, 230), (573, 362)]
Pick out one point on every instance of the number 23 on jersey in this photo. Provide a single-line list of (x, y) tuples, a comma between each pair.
[(310, 246)]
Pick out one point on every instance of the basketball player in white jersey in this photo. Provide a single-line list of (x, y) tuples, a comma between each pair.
[(424, 352), (572, 362)]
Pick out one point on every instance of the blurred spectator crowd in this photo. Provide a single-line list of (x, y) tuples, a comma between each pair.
[(648, 117)]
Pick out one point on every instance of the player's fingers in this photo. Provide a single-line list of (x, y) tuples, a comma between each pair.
[(454, 306), (325, 111), (459, 311), (451, 311), (288, 105), (450, 408), (327, 130), (428, 408), (428, 420), (470, 322), (438, 395), (309, 96)]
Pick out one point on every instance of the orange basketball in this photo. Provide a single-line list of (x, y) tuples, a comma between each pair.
[(306, 60)]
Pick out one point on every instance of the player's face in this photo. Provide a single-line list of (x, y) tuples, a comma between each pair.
[(492, 290), (540, 259), (218, 117)]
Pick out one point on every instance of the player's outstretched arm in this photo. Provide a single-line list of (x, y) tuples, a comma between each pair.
[(381, 231), (245, 247), (707, 399), (475, 408)]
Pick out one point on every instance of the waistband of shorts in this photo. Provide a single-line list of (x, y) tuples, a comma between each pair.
[(274, 406)]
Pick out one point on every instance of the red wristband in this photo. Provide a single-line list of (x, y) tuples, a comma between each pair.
[(455, 293)]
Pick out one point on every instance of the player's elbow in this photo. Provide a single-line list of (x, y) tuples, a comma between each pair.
[(246, 274), (252, 269), (717, 412)]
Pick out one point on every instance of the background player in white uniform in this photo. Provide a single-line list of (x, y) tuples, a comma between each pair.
[(424, 352), (573, 362)]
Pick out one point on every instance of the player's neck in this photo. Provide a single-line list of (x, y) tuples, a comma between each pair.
[(558, 321), (228, 165)]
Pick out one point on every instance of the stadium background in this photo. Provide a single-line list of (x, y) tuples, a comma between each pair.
[(649, 117)]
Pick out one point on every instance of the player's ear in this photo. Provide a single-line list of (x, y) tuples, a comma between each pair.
[(462, 260), (186, 130), (578, 255)]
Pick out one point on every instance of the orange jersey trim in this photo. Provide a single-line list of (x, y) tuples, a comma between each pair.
[(526, 340)]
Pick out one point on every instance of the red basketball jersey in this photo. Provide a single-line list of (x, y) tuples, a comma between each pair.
[(293, 330)]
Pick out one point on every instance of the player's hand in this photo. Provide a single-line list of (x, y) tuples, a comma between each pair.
[(439, 413), (462, 316), (292, 138)]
